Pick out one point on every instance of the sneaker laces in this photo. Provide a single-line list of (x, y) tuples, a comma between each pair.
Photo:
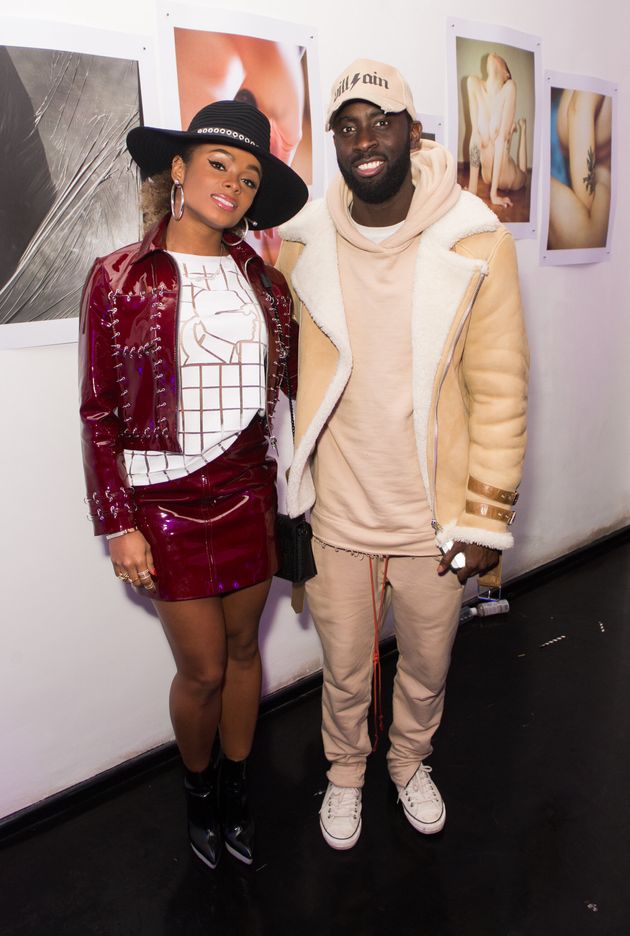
[(344, 804), (421, 785)]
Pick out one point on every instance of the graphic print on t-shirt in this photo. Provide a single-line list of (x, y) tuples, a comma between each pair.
[(222, 347)]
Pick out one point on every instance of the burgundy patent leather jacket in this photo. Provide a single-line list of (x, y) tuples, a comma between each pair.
[(128, 369)]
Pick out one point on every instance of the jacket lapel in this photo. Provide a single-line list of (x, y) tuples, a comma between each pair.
[(442, 279), (315, 277)]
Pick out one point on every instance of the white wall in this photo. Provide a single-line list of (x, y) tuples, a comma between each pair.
[(84, 668)]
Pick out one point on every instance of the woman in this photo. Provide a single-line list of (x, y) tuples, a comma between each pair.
[(184, 343), (492, 109), (579, 194)]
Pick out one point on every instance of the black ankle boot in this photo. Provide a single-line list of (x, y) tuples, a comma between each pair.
[(204, 828), (236, 821)]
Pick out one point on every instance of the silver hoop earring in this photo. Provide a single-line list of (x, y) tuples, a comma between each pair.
[(242, 233), (175, 188)]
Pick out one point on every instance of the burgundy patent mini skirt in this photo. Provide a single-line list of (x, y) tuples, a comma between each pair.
[(213, 531)]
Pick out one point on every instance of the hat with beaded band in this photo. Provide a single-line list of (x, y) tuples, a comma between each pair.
[(234, 123)]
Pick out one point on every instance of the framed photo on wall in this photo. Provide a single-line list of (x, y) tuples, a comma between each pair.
[(579, 169), (494, 108), (211, 55), (69, 189)]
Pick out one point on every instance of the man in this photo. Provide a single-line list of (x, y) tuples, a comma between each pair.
[(410, 425)]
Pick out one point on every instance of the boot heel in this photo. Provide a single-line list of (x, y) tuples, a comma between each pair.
[(204, 826), (237, 824)]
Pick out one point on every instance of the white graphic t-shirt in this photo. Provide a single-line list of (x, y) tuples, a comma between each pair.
[(222, 355)]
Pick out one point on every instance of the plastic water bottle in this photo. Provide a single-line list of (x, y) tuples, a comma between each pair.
[(484, 609)]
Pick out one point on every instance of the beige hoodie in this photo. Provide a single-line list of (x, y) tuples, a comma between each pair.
[(370, 495)]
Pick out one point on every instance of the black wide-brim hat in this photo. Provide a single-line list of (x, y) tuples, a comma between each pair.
[(281, 193)]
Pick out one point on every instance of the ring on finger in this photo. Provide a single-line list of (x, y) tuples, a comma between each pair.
[(144, 575)]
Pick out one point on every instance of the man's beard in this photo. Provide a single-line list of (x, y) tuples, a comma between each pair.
[(375, 191)]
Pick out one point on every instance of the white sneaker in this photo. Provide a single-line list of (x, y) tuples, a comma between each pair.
[(340, 816), (422, 804)]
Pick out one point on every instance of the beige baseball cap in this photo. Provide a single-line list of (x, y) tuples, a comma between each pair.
[(367, 80)]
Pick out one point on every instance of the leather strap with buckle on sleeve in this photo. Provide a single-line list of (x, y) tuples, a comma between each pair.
[(490, 512), (493, 493)]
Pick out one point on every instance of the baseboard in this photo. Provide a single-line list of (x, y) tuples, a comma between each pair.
[(541, 574), (110, 782), (85, 794)]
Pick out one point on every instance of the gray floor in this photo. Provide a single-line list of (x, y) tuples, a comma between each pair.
[(532, 759)]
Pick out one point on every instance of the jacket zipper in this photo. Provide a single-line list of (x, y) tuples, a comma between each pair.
[(482, 275), (177, 354)]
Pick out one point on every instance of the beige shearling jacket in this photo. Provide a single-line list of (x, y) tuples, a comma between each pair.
[(470, 364)]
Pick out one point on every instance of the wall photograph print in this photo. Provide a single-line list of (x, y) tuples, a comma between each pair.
[(69, 192), (579, 179), (494, 94), (212, 55)]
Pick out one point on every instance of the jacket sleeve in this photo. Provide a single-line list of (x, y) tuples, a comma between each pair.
[(287, 258), (290, 327), (109, 499), (289, 383), (495, 367)]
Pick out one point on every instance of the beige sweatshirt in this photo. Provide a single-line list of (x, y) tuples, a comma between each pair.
[(370, 496)]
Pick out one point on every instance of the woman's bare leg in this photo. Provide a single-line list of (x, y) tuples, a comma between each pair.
[(506, 174), (571, 225), (241, 688), (513, 177), (474, 147), (522, 145), (195, 630), (582, 114)]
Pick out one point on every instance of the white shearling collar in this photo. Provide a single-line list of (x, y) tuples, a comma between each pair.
[(468, 216)]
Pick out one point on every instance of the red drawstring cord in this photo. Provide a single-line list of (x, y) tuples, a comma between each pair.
[(376, 658)]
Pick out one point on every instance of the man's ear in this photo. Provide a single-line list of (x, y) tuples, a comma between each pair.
[(415, 134)]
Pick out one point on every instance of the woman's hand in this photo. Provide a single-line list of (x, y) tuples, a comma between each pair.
[(132, 560)]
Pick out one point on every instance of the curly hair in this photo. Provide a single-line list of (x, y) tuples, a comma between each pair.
[(155, 191), (155, 198)]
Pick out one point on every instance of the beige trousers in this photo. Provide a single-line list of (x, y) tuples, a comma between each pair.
[(425, 608)]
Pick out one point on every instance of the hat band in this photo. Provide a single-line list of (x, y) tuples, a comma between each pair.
[(231, 133)]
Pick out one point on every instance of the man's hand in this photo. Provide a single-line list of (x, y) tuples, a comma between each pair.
[(479, 560)]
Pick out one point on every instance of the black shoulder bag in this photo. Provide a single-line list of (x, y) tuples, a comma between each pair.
[(293, 534)]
